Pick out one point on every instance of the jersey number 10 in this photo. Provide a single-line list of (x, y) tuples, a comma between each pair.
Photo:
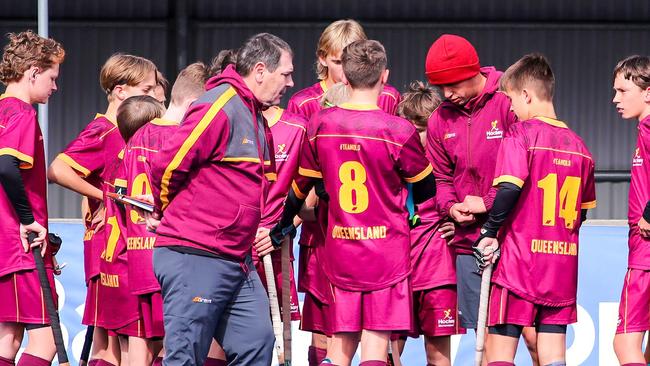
[(568, 200)]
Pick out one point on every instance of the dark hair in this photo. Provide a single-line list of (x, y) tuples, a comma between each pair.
[(221, 60), (363, 62), (263, 47), (418, 103), (135, 111), (531, 71), (635, 68)]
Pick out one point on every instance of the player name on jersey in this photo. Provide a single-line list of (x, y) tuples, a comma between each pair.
[(359, 232), (553, 247), (140, 243)]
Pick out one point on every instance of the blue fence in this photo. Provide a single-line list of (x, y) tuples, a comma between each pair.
[(603, 256)]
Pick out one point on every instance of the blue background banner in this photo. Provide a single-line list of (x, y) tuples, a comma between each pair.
[(603, 258)]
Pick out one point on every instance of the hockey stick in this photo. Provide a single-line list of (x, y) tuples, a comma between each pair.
[(286, 298), (275, 306), (88, 342), (482, 314), (49, 303)]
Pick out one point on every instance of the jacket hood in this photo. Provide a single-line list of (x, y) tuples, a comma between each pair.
[(230, 76)]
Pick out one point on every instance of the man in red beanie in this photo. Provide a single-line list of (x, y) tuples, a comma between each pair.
[(463, 138)]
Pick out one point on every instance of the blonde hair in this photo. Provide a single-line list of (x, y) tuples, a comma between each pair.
[(336, 95), (122, 69), (27, 49), (334, 39), (135, 111), (418, 103), (190, 83)]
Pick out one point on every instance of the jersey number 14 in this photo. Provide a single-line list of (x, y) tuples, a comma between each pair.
[(568, 199)]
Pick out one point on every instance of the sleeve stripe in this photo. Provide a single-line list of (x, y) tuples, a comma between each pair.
[(309, 173), (190, 141), (508, 179), (297, 191), (420, 176), (120, 183), (272, 177), (74, 165), (26, 159), (588, 205)]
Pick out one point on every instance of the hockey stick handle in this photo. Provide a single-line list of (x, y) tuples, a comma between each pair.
[(276, 320), (88, 342), (486, 278), (49, 303), (286, 298)]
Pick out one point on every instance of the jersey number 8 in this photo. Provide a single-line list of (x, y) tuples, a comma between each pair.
[(353, 194)]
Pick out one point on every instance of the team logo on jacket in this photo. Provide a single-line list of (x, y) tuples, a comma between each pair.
[(449, 135), (494, 132), (637, 160), (201, 300), (281, 154), (447, 319), (246, 140)]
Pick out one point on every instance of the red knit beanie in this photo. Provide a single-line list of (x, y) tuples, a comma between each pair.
[(451, 59)]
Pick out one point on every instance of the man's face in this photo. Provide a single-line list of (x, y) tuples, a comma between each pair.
[(44, 83), (461, 92), (274, 84), (630, 100), (334, 67)]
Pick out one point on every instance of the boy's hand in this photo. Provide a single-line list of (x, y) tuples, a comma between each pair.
[(460, 213), (97, 220), (151, 218), (447, 231), (486, 251), (644, 228), (262, 242), (39, 241)]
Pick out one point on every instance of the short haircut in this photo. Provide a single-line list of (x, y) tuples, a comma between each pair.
[(336, 95), (334, 39), (635, 68), (363, 62), (190, 83), (263, 47), (27, 49), (221, 60), (122, 69), (135, 112), (418, 103), (532, 71)]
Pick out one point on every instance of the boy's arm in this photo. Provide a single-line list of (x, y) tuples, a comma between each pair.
[(62, 174)]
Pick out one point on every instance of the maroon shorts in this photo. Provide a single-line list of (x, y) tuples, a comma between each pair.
[(21, 298), (277, 269), (507, 308), (388, 309), (151, 315), (634, 308), (436, 312), (314, 315), (91, 314)]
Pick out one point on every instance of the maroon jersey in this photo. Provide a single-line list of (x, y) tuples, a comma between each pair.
[(306, 103), (639, 255), (539, 240), (140, 150), (364, 156), (117, 306), (432, 259), (288, 131), (21, 137), (88, 154)]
